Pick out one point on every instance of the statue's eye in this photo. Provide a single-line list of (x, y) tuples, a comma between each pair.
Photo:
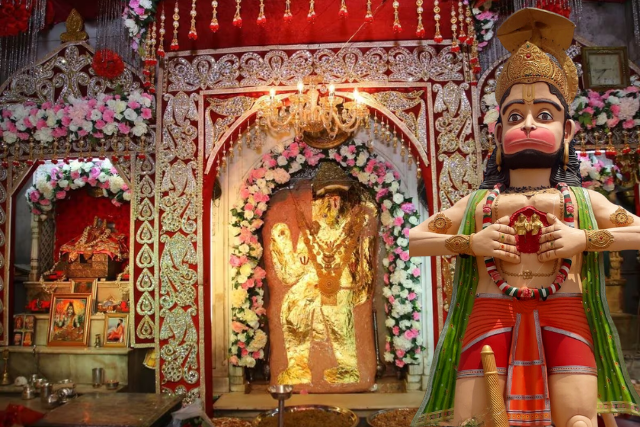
[(514, 117), (545, 116)]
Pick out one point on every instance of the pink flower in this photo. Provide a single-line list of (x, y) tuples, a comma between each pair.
[(237, 261), (248, 207), (337, 157), (611, 123), (45, 202), (351, 162), (75, 175), (244, 192), (100, 124), (61, 195), (66, 121), (257, 173), (615, 109), (259, 273), (391, 299), (411, 296), (133, 105), (400, 353), (416, 315), (108, 116), (406, 232), (41, 124), (34, 196), (404, 256), (83, 132), (244, 352), (261, 197), (256, 355), (124, 128), (146, 113), (398, 221), (238, 327), (400, 363), (588, 110), (386, 278), (408, 207), (415, 272), (352, 149), (381, 193), (245, 235), (628, 124), (387, 346), (233, 360), (395, 330)]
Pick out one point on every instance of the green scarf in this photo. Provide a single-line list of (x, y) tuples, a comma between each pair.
[(616, 394)]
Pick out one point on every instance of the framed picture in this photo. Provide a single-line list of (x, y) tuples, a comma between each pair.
[(605, 68), (29, 322), (112, 297), (27, 339), (84, 286), (69, 320), (17, 338), (116, 329), (39, 294), (18, 322)]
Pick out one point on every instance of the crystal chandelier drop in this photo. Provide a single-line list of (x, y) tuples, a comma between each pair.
[(309, 111)]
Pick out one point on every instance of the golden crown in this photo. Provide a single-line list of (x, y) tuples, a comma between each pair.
[(532, 35)]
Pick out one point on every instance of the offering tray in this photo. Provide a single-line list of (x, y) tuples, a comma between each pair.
[(270, 418), (387, 418), (230, 422)]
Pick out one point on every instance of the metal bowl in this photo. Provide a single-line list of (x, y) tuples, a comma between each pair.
[(112, 384), (274, 413), (371, 417)]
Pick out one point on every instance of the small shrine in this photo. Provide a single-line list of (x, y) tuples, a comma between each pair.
[(257, 213)]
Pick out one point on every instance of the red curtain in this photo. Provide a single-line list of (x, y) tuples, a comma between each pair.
[(77, 211)]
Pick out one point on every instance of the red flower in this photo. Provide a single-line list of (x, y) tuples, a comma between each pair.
[(14, 18), (108, 64), (554, 7)]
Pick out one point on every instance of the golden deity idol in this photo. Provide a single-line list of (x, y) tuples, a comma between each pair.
[(330, 271)]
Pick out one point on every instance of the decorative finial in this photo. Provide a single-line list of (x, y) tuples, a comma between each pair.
[(75, 29)]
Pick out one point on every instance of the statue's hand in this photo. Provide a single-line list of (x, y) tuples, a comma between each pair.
[(498, 241), (558, 240)]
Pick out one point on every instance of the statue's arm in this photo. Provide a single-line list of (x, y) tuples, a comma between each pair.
[(428, 238), (286, 261), (622, 224)]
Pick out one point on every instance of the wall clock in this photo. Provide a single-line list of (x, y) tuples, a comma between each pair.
[(605, 68)]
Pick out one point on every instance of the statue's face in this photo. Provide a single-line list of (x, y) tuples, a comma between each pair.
[(328, 208), (533, 119)]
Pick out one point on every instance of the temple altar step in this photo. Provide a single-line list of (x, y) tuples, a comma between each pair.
[(383, 385), (248, 406)]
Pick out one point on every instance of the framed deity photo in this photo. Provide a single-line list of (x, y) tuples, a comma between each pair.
[(69, 320), (112, 297), (39, 294), (116, 328)]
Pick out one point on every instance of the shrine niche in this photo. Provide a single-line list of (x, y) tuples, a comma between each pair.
[(320, 240)]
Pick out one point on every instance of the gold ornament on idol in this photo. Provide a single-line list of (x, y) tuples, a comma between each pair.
[(598, 240), (523, 34), (462, 37), (621, 218), (440, 224), (460, 244)]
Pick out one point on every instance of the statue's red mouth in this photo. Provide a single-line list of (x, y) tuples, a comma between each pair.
[(540, 139)]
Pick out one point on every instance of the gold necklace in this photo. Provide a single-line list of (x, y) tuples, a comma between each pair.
[(527, 274)]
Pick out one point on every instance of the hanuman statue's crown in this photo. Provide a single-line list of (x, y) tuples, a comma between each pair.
[(330, 177), (531, 35)]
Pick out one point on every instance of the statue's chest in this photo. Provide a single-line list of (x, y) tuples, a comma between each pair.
[(549, 201)]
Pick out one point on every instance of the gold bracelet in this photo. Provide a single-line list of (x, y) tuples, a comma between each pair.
[(460, 244), (598, 240), (440, 224)]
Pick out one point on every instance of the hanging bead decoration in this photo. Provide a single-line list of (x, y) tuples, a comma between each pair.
[(454, 29), (193, 33), (311, 16), (436, 17), (237, 19), (161, 53), (287, 12), (468, 19), (462, 37), (176, 23), (152, 59), (213, 26), (262, 19), (396, 17), (420, 32), (369, 16), (343, 9)]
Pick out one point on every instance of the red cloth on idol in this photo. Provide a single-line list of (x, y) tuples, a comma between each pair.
[(531, 340)]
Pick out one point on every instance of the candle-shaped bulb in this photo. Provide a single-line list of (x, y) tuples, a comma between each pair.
[(332, 90), (300, 87), (356, 95), (272, 92)]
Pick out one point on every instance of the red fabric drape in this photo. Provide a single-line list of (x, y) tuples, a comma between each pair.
[(76, 212)]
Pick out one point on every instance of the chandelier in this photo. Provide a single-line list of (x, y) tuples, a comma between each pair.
[(309, 111)]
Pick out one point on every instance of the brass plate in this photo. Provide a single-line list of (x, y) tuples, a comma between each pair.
[(274, 413)]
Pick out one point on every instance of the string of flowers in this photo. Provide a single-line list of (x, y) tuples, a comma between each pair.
[(55, 183), (598, 176), (105, 115), (138, 14), (398, 214), (14, 17), (485, 16)]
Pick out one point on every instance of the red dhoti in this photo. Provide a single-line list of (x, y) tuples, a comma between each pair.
[(531, 340)]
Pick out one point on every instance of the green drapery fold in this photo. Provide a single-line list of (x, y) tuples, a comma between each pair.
[(616, 394)]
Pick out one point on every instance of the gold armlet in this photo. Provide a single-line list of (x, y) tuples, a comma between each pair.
[(460, 244), (598, 240), (621, 218), (440, 224)]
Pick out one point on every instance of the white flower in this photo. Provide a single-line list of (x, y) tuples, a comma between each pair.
[(613, 100), (127, 196), (402, 242), (389, 178), (247, 361), (413, 220), (390, 323), (139, 129), (145, 4), (96, 115), (130, 23), (387, 203), (120, 107), (398, 198), (490, 100), (394, 186), (63, 183), (282, 160), (300, 159), (362, 159), (388, 357), (9, 137), (601, 119), (129, 114)]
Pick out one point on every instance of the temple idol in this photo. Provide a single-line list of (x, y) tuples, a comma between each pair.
[(319, 213)]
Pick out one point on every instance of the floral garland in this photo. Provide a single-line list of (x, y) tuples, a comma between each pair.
[(398, 215), (105, 115), (609, 109), (138, 14), (485, 16), (598, 176), (55, 183), (108, 64)]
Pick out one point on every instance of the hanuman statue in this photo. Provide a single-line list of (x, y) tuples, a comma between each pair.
[(537, 296), (330, 271)]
